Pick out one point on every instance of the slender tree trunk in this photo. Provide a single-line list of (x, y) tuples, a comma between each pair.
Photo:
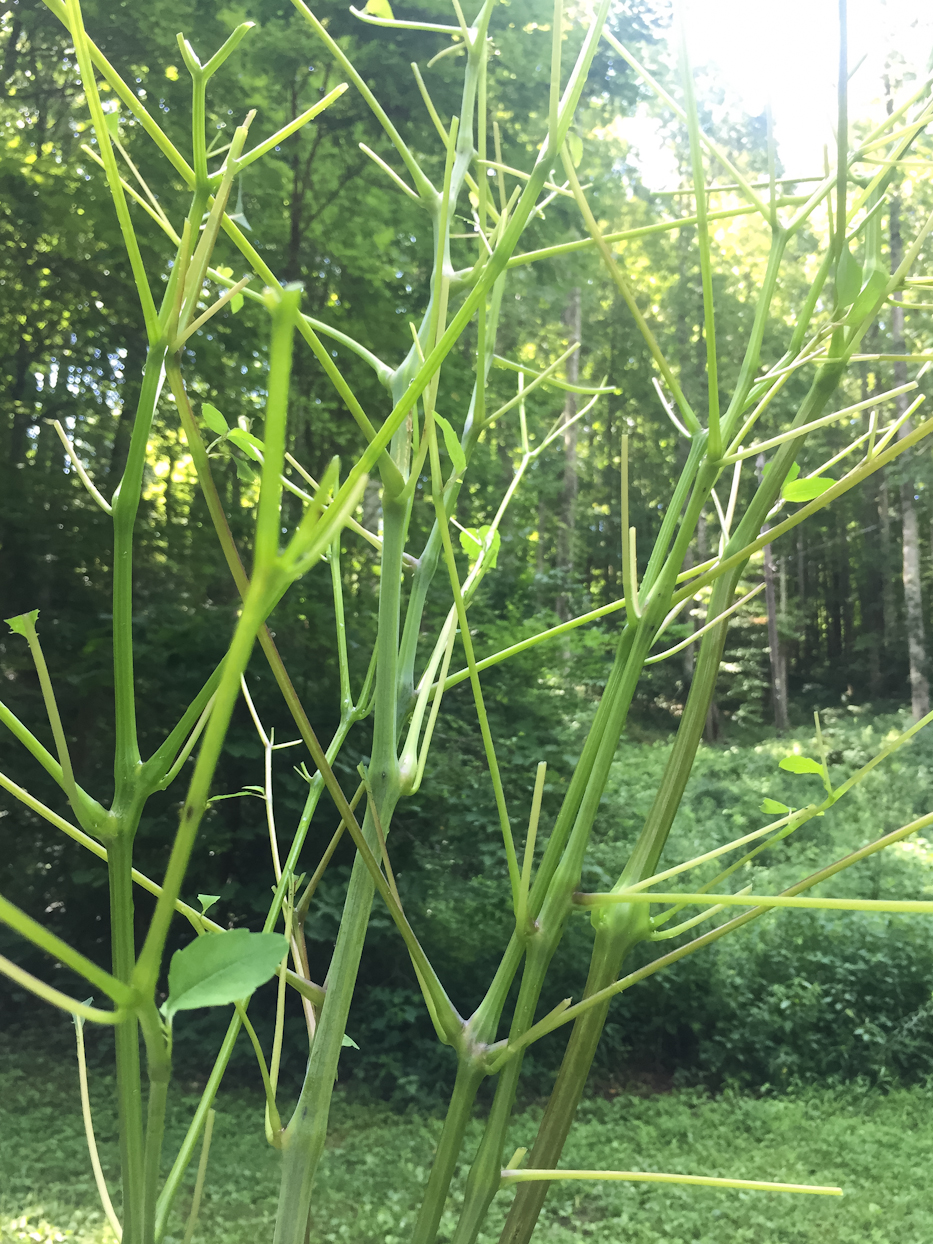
[(910, 537), (778, 658), (565, 536)]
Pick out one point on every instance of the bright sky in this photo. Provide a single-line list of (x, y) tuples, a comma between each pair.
[(790, 49)]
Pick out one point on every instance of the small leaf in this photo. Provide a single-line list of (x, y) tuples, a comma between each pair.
[(112, 121), (775, 806), (219, 968), (251, 445), (236, 794), (575, 147), (244, 472), (473, 541), (23, 624), (848, 277), (348, 1042), (207, 901), (801, 764), (454, 450), (214, 419), (379, 8), (236, 303), (806, 489)]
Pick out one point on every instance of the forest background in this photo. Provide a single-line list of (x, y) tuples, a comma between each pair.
[(840, 627)]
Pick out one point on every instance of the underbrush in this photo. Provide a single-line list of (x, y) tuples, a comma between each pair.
[(878, 1147)]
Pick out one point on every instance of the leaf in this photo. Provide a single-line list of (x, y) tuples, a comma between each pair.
[(251, 445), (23, 624), (236, 794), (848, 277), (348, 1042), (236, 303), (220, 968), (473, 541), (244, 472), (379, 8), (214, 419), (801, 764), (454, 451), (207, 901), (575, 147), (775, 806), (112, 121), (791, 474), (806, 489)]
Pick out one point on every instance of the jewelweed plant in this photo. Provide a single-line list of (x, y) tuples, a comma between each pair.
[(418, 455)]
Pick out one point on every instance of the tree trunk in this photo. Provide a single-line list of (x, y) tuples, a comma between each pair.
[(565, 541), (776, 653), (910, 536)]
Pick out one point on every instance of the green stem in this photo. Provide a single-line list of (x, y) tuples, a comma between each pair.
[(125, 508), (609, 952), (129, 1085), (304, 1137), (470, 1074)]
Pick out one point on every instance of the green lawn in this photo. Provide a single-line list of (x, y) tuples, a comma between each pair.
[(879, 1148)]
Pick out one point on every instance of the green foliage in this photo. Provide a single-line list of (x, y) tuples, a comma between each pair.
[(367, 428), (221, 968), (875, 1145)]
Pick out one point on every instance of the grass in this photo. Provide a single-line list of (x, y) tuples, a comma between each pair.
[(878, 1147)]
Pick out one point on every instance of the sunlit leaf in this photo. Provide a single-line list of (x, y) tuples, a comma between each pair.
[(775, 807), (214, 419), (23, 624), (207, 901), (251, 445), (806, 489), (473, 541), (379, 8), (801, 764)]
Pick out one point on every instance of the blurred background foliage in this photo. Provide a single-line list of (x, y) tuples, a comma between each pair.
[(795, 998)]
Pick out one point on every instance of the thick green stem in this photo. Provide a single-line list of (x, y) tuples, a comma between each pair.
[(608, 954), (129, 1087), (470, 1074)]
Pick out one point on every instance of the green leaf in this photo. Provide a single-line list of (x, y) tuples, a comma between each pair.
[(848, 277), (244, 472), (112, 121), (251, 445), (23, 624), (801, 764), (207, 901), (220, 968), (791, 474), (454, 451), (236, 303), (473, 541), (348, 1042), (806, 489), (379, 8), (236, 794), (575, 147), (214, 419), (775, 806)]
